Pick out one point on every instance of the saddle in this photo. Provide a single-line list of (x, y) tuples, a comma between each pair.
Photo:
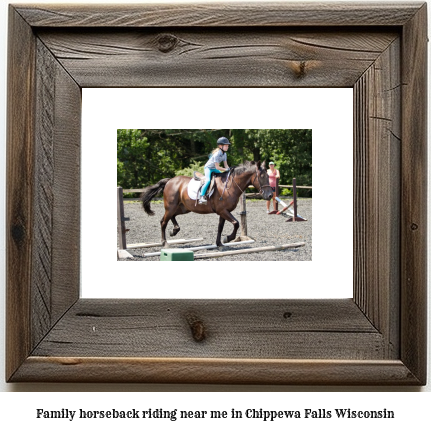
[(197, 176)]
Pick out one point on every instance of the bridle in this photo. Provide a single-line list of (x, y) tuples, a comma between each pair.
[(252, 181), (260, 185)]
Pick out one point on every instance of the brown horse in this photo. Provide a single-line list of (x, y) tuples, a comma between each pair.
[(227, 191)]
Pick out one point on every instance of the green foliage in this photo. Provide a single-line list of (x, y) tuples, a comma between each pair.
[(144, 156), (286, 192), (132, 166), (188, 172)]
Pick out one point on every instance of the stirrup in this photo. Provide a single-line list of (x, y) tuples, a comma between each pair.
[(202, 200)]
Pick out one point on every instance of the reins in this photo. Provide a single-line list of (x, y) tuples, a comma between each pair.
[(225, 185)]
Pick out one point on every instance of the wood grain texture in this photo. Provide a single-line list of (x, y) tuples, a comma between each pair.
[(55, 279), (413, 194), (377, 100), (215, 371), (19, 191), (378, 337), (44, 194), (67, 194), (268, 329), (214, 57), (43, 161), (220, 15)]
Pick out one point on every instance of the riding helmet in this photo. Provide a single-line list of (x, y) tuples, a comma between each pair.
[(223, 141)]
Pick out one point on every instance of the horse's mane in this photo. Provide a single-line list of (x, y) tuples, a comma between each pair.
[(244, 167)]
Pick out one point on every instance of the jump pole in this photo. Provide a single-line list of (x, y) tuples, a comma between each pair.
[(122, 252), (243, 213), (249, 250), (203, 247), (285, 207), (295, 216), (159, 244)]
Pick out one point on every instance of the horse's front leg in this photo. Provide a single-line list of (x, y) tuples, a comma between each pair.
[(235, 224), (226, 215)]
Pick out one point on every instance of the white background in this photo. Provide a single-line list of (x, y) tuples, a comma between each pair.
[(329, 112), (18, 409)]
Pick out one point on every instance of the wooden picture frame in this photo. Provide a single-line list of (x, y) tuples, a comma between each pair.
[(376, 338)]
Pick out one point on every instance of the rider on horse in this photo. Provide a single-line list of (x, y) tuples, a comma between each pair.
[(213, 165)]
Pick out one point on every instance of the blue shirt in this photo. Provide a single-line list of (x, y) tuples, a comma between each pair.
[(217, 157)]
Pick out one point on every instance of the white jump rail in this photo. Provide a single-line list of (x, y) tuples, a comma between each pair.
[(123, 253), (202, 247), (249, 250), (160, 244)]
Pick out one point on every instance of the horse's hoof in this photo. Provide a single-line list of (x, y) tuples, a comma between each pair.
[(225, 240)]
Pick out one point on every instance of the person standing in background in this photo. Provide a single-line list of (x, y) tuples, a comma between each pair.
[(274, 175)]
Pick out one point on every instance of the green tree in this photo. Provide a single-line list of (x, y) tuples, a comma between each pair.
[(144, 156)]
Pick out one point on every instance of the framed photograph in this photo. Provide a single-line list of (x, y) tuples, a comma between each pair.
[(377, 337), (118, 115)]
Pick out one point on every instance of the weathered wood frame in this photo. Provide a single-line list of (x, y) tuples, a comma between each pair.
[(378, 337)]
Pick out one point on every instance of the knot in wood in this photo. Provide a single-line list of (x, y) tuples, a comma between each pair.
[(300, 69), (18, 233), (197, 328), (414, 226), (167, 42)]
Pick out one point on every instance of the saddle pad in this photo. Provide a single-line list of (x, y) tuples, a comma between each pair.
[(192, 189)]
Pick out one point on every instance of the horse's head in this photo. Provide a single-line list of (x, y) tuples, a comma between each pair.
[(261, 181)]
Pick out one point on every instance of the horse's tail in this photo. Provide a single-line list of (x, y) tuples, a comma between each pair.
[(151, 192)]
